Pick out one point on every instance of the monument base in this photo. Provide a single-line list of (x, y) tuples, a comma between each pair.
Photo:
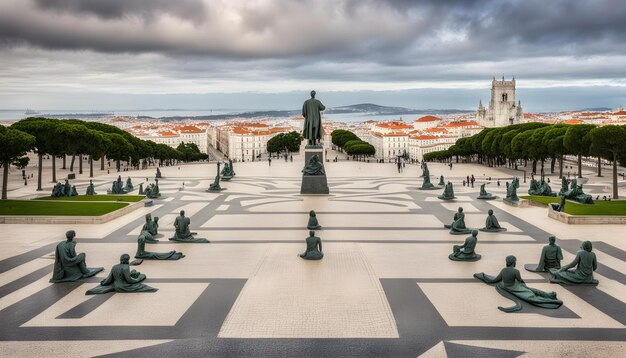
[(314, 184), (311, 150)]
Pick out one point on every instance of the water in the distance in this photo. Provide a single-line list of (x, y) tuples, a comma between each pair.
[(15, 115)]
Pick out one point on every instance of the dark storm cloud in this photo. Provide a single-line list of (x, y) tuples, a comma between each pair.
[(198, 46), (115, 9), (382, 31)]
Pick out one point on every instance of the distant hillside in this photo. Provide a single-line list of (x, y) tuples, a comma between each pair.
[(368, 108), (595, 109), (362, 108), (375, 109)]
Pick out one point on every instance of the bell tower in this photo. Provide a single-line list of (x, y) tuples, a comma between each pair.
[(502, 110)]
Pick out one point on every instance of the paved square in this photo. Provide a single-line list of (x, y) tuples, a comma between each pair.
[(384, 288), (338, 297)]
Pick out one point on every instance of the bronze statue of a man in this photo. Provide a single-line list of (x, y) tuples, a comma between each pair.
[(312, 119)]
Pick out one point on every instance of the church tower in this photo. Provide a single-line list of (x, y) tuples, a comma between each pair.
[(502, 110)]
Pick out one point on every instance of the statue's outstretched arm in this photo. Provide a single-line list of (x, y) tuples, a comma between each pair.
[(129, 278), (571, 264), (107, 281)]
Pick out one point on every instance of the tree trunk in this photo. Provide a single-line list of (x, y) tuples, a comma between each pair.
[(5, 180), (580, 165), (72, 163), (117, 165), (80, 164), (615, 194), (40, 155), (599, 166), (54, 168), (90, 166), (64, 167), (561, 167), (102, 162)]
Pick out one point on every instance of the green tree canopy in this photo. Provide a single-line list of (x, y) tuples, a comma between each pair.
[(340, 137), (608, 142), (14, 144), (285, 141)]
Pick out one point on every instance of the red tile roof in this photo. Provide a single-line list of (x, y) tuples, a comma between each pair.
[(428, 119), (461, 124), (188, 129), (240, 130), (424, 137), (394, 125), (167, 134), (395, 134), (436, 129)]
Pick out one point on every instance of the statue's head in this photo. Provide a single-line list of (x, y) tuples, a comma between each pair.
[(552, 239), (474, 232), (586, 246), (156, 219), (70, 234), (460, 209), (125, 259), (490, 212), (312, 213), (148, 217), (510, 261), (312, 94), (182, 213), (311, 233)]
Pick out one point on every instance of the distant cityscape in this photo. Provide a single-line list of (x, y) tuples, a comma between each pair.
[(393, 131)]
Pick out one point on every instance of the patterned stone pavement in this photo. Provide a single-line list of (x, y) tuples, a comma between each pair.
[(384, 288)]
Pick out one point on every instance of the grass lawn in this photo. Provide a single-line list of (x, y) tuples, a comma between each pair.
[(60, 208), (600, 207), (122, 198)]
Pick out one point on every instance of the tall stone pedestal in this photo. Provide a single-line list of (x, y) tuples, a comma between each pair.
[(311, 150), (314, 184)]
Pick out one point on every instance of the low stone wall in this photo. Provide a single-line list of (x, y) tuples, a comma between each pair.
[(41, 219), (584, 219), (522, 203)]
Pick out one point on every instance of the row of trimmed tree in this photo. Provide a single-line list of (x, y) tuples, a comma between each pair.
[(351, 143), (77, 138), (285, 142), (540, 142)]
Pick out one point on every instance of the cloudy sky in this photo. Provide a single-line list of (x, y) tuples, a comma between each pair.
[(136, 54)]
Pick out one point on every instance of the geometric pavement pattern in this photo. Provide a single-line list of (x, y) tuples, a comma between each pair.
[(384, 288)]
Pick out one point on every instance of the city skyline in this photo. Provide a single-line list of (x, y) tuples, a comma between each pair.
[(90, 55)]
